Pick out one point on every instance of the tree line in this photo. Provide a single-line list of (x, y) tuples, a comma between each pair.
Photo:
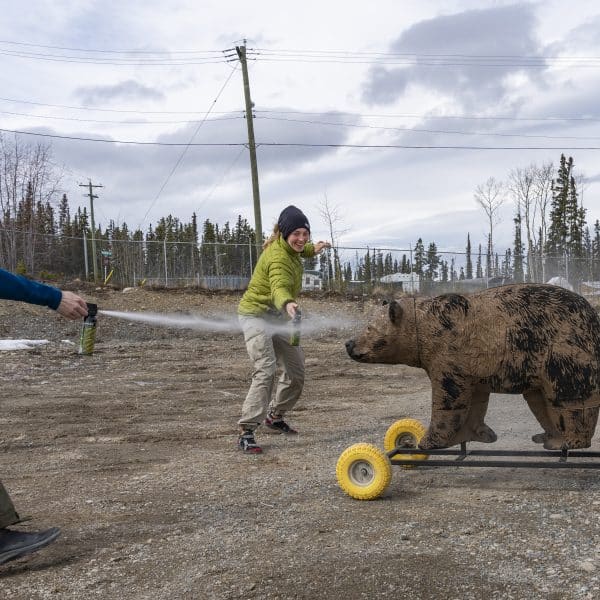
[(551, 236), (41, 235)]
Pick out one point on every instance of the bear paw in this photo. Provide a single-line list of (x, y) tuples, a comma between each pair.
[(485, 434), (428, 442), (555, 443), (560, 443), (539, 438)]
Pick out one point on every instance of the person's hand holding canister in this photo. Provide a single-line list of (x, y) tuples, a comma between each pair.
[(291, 308), (72, 306)]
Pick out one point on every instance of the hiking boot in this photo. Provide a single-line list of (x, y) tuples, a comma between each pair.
[(247, 443), (278, 424), (14, 544)]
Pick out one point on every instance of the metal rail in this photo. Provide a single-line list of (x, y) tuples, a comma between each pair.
[(461, 455)]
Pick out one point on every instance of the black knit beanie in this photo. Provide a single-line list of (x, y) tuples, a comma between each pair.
[(290, 219)]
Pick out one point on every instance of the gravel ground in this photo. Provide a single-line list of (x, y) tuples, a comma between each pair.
[(131, 451)]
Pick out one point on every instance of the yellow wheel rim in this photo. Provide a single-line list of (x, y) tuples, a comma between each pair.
[(405, 433), (363, 471)]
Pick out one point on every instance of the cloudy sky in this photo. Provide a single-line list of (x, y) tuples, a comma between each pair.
[(394, 110)]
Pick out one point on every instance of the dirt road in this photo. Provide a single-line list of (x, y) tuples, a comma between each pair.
[(131, 451)]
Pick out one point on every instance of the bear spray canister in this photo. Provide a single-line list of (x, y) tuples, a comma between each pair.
[(88, 330), (295, 335)]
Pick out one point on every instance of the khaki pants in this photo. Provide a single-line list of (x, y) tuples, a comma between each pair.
[(269, 351), (8, 516)]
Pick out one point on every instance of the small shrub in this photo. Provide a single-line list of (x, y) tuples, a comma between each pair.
[(21, 268), (47, 276)]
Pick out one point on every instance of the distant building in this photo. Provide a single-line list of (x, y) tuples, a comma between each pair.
[(407, 282), (312, 280), (590, 288), (561, 282), (479, 283)]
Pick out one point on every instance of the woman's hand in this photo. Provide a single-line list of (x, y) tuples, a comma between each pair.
[(290, 308), (320, 245)]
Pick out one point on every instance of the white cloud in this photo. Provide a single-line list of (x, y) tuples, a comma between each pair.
[(103, 95), (388, 195)]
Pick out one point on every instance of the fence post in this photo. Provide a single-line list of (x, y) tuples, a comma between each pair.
[(85, 257), (250, 254), (412, 270), (165, 254)]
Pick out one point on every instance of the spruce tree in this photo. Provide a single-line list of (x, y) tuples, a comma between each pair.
[(419, 258), (558, 230), (432, 261), (207, 253), (453, 274), (565, 240), (405, 265), (468, 261), (367, 268), (518, 274), (596, 252), (444, 269)]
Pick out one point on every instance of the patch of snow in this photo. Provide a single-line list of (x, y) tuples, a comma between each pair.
[(20, 344)]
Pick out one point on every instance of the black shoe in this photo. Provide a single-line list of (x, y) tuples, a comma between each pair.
[(247, 443), (14, 544), (278, 424)]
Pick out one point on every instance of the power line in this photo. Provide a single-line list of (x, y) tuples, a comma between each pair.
[(326, 112), (105, 141), (104, 121), (303, 144), (187, 146), (199, 57), (115, 61), (403, 54), (421, 59), (425, 116), (337, 55), (437, 131), (91, 50), (141, 112), (305, 51), (221, 179), (304, 112), (422, 63)]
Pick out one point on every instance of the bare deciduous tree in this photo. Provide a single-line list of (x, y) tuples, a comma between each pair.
[(521, 184), (331, 214), (542, 196), (490, 196), (28, 181)]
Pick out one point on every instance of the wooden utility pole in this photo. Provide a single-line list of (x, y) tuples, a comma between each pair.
[(91, 196), (241, 52)]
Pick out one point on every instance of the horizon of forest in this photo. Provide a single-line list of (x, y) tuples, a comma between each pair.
[(40, 235)]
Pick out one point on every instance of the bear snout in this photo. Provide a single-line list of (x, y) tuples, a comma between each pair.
[(350, 346)]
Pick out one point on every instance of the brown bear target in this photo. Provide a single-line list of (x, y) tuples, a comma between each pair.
[(537, 340)]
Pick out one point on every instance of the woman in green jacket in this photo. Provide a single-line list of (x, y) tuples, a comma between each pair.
[(267, 304)]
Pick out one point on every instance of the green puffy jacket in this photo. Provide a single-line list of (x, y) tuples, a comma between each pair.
[(277, 279)]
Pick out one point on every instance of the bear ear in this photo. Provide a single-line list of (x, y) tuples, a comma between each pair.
[(395, 312)]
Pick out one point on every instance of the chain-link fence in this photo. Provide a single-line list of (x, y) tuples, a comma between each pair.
[(367, 270), (354, 270)]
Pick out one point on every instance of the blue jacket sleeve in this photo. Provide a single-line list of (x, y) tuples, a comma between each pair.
[(15, 287)]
